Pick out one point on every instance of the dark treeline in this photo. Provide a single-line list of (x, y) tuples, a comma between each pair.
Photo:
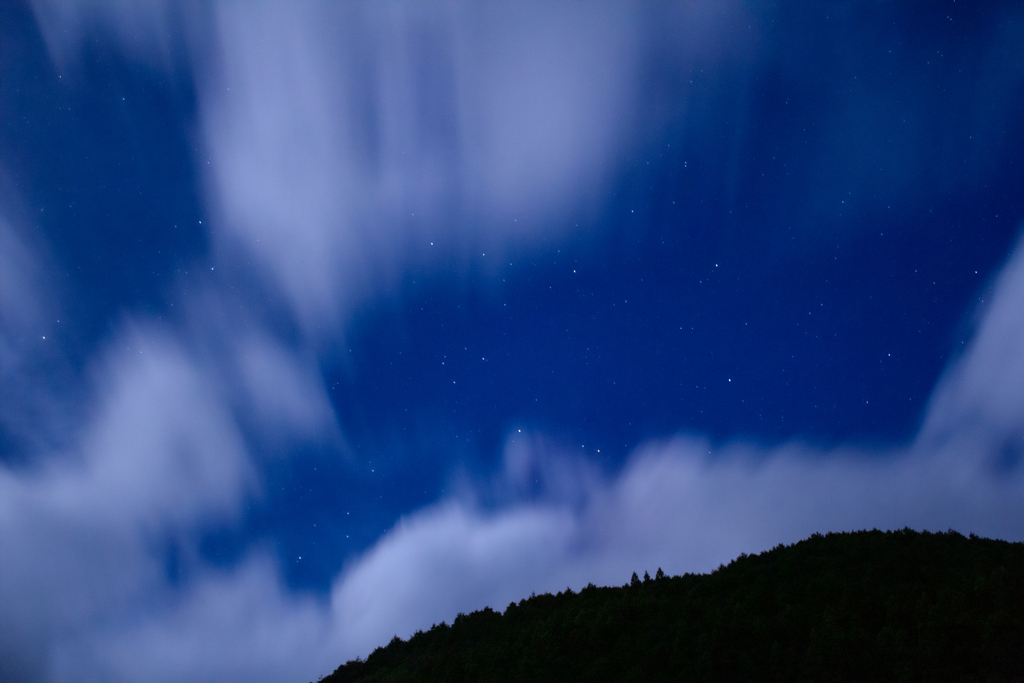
[(865, 606)]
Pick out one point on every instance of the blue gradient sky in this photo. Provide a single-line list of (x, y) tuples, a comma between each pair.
[(320, 323)]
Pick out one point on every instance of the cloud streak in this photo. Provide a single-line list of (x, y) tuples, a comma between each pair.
[(342, 137), (161, 457)]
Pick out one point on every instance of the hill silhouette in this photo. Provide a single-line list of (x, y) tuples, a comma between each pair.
[(864, 606)]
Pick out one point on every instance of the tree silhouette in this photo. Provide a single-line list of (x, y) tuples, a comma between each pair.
[(865, 606)]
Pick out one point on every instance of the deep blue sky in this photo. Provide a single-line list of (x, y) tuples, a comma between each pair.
[(790, 241)]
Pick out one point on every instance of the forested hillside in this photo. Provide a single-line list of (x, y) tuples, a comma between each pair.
[(865, 606)]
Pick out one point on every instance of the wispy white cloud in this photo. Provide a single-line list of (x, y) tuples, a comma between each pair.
[(144, 30), (284, 393), (80, 533), (980, 399), (21, 319), (343, 140), (340, 141), (19, 289), (85, 532), (236, 627), (30, 342)]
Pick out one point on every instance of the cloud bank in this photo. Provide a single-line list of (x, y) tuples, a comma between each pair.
[(686, 505), (87, 598)]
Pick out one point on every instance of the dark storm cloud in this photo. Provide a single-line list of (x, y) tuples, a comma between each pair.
[(336, 143)]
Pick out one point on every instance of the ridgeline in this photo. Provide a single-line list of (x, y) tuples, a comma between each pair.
[(865, 606)]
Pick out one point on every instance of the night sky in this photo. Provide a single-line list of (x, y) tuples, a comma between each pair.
[(320, 323)]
